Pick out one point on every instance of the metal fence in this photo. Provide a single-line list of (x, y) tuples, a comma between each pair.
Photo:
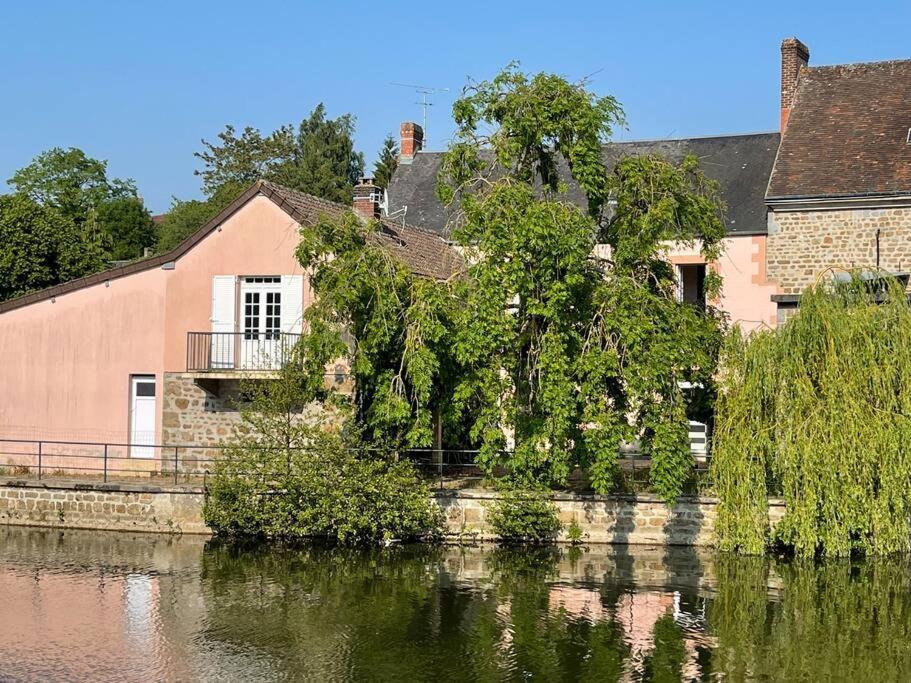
[(192, 464)]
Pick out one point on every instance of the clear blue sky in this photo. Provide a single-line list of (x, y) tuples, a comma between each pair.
[(139, 83)]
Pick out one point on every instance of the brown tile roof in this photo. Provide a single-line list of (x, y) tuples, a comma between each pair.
[(423, 251), (847, 133)]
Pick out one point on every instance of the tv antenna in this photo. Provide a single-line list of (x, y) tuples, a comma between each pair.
[(426, 92)]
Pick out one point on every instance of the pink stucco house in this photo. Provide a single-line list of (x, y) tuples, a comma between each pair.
[(150, 354)]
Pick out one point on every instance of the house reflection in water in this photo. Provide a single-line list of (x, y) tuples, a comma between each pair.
[(638, 613)]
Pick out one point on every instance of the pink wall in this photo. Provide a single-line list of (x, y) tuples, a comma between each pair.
[(65, 365), (746, 291)]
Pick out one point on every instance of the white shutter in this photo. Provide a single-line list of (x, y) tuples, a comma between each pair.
[(223, 307), (292, 303)]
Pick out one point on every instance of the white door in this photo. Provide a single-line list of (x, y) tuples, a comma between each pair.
[(261, 310), (142, 417)]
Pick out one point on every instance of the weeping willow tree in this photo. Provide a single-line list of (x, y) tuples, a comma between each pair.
[(819, 412)]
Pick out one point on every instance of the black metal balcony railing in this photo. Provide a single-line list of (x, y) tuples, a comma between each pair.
[(239, 351)]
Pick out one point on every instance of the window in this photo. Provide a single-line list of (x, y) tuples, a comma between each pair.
[(273, 314), (251, 315), (263, 280), (691, 283)]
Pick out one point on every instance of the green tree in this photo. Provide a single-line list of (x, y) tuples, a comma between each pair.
[(71, 182), (317, 157), (818, 411), (387, 162), (39, 247), (401, 326), (186, 217), (128, 226), (570, 348)]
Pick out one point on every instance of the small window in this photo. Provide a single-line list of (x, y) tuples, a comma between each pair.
[(145, 388), (691, 283)]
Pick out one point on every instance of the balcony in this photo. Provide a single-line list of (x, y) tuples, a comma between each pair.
[(228, 354)]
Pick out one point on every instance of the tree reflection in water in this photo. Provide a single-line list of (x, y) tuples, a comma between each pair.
[(181, 610)]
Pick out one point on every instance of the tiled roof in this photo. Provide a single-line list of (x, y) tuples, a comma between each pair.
[(740, 163), (847, 133), (425, 252)]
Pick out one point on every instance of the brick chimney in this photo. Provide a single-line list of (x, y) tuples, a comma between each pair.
[(412, 141), (367, 198), (794, 56)]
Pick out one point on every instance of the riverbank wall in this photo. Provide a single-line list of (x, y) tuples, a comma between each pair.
[(633, 520)]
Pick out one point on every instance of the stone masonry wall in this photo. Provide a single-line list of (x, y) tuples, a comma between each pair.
[(801, 244), (639, 520), (102, 506), (197, 423), (190, 415), (634, 520)]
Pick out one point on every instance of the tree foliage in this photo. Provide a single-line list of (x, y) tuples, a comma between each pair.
[(128, 226), (71, 182), (564, 338), (568, 347), (317, 157), (186, 217), (387, 162), (110, 219), (39, 247), (400, 325), (819, 412)]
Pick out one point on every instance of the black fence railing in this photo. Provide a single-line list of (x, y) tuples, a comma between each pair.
[(193, 464), (239, 351)]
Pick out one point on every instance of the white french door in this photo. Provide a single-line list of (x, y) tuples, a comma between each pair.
[(142, 416), (261, 318)]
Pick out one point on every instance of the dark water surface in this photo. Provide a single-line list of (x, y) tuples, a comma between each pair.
[(95, 606)]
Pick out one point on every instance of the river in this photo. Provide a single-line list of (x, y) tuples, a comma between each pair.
[(98, 606)]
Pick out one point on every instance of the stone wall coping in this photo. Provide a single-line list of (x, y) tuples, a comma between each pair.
[(109, 487), (487, 494)]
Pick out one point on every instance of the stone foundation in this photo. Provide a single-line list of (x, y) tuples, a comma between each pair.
[(117, 507), (639, 520), (633, 520)]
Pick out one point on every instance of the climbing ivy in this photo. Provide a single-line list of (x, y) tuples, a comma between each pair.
[(819, 412)]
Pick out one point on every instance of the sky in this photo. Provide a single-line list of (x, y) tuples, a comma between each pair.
[(139, 84)]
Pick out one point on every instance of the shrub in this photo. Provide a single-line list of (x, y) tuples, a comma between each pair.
[(524, 516), (323, 490)]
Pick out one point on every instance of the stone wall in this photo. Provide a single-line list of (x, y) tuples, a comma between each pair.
[(801, 244), (641, 519), (632, 520), (102, 506), (196, 422), (191, 415)]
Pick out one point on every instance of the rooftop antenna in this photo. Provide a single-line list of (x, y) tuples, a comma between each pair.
[(425, 92)]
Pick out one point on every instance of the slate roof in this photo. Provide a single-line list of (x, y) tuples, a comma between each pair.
[(740, 163), (425, 252), (847, 133)]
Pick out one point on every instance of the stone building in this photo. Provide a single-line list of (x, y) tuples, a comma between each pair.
[(839, 195)]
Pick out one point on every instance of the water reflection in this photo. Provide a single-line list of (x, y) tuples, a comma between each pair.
[(97, 606)]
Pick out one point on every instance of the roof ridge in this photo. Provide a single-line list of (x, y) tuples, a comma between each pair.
[(878, 62), (713, 136)]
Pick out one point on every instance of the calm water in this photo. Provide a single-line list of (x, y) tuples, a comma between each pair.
[(119, 607)]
